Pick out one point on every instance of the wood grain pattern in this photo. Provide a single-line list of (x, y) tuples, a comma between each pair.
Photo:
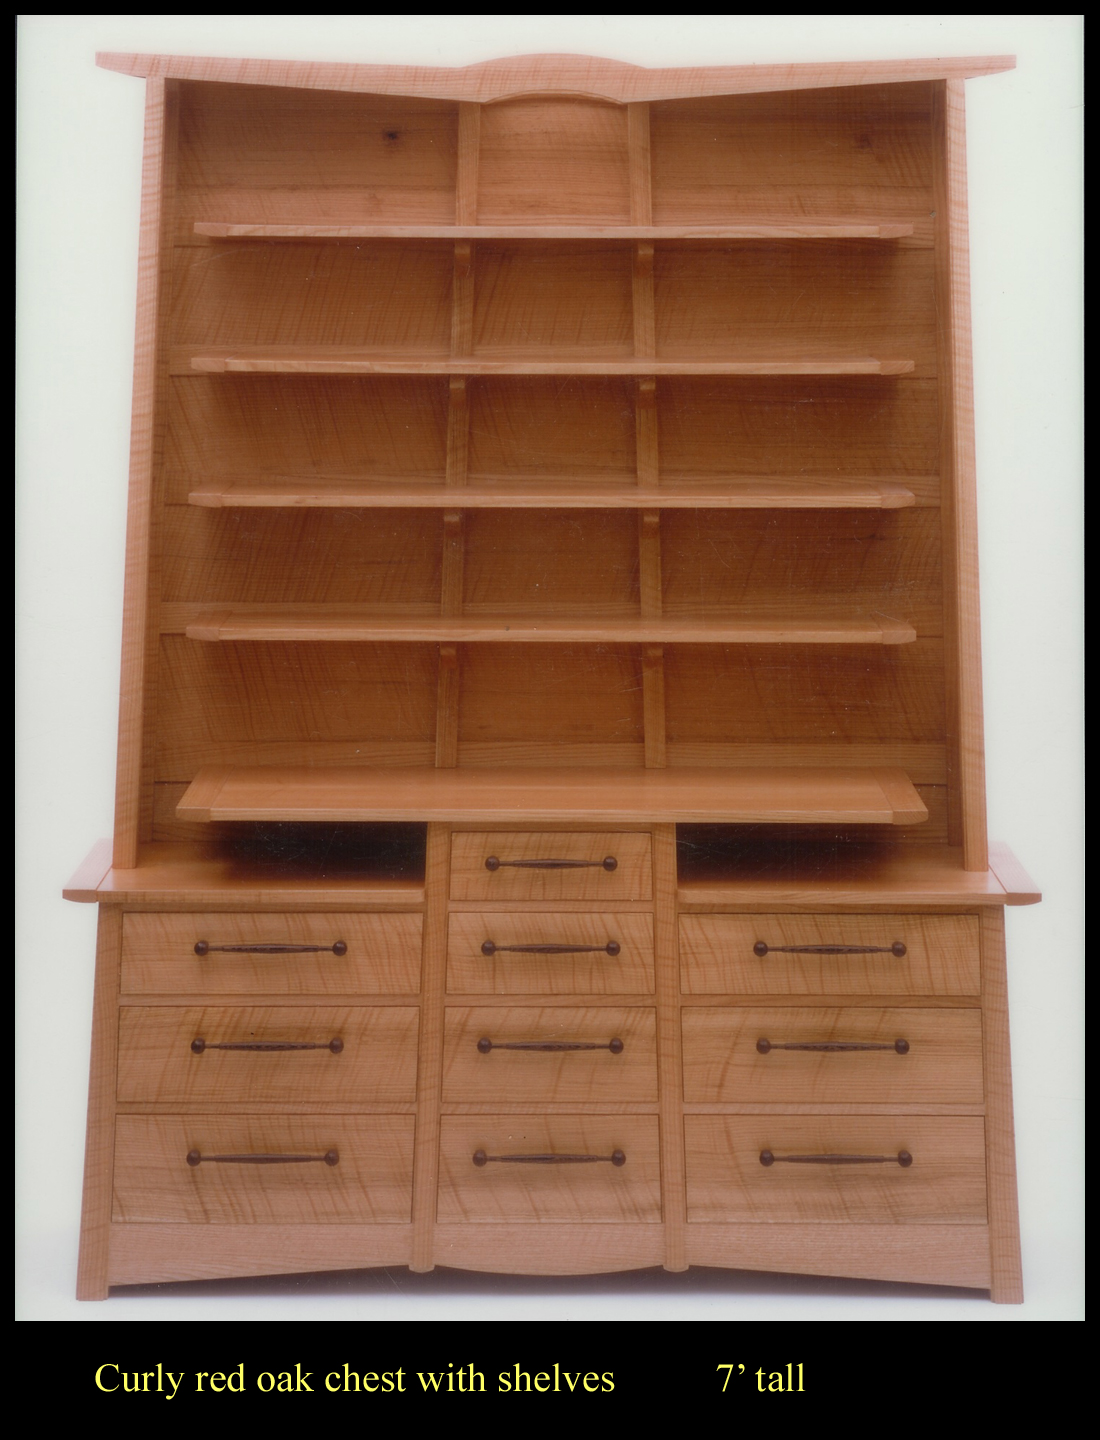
[(147, 1254), (429, 1073), (470, 971), (95, 1214), (669, 1050), (762, 230), (154, 1183), (1007, 1284), (382, 955), (378, 1061), (630, 879), (941, 955), (722, 1062), (506, 1193), (726, 1181)]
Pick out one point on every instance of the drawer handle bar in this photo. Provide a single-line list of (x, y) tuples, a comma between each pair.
[(902, 1158), (199, 1045), (901, 1047), (484, 1045), (196, 1157), (761, 948), (611, 948), (615, 1158), (203, 947), (607, 863)]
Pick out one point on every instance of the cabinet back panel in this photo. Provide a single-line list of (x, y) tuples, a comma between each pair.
[(773, 299), (816, 426), (250, 425), (565, 296), (553, 160), (560, 694), (553, 562), (392, 157), (805, 692), (861, 150), (552, 428), (861, 561), (217, 695), (380, 558), (380, 294)]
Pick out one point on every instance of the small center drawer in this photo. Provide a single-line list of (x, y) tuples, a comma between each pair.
[(533, 953), (551, 866), (835, 1168), (216, 1053), (207, 1169), (541, 1056), (797, 1054), (246, 954), (560, 1167), (829, 954)]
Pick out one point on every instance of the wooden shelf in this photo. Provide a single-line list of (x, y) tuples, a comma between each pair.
[(344, 360), (788, 795), (733, 493), (334, 623), (754, 230)]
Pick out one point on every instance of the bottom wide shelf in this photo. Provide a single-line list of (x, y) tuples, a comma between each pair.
[(756, 795)]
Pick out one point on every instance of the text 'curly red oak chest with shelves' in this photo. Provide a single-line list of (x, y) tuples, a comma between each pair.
[(550, 831)]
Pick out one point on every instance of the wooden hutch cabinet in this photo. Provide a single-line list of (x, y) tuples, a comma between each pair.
[(550, 826)]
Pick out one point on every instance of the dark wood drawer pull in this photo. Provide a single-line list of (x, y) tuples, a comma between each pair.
[(266, 1046), (902, 1158), (203, 947), (484, 1045), (607, 863), (762, 948), (615, 1158), (900, 1047), (196, 1157), (611, 948)]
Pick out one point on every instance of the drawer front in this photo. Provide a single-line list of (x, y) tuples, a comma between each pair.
[(944, 1183), (330, 954), (806, 955), (158, 1059), (508, 866), (516, 1188), (620, 1065), (723, 1059), (578, 962), (371, 1180)]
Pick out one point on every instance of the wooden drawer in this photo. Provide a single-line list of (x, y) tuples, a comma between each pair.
[(474, 1072), (517, 1190), (377, 1062), (726, 1180), (375, 954), (371, 1180), (586, 970), (630, 878), (723, 1060), (718, 955)]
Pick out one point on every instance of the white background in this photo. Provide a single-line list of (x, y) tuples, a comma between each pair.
[(80, 138)]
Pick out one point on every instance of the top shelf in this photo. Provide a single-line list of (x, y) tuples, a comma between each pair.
[(756, 230)]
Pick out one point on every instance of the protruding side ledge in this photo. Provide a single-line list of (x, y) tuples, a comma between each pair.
[(84, 885), (1020, 888)]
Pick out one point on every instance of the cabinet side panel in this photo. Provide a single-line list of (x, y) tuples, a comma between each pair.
[(1006, 1283), (966, 749), (142, 443), (99, 1147)]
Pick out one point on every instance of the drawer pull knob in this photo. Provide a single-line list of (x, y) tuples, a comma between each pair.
[(203, 947), (199, 1045), (902, 1158), (762, 948), (607, 863), (611, 948), (900, 1047), (196, 1157), (616, 1158), (484, 1045)]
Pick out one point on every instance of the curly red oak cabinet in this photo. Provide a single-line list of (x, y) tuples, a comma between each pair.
[(550, 826)]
